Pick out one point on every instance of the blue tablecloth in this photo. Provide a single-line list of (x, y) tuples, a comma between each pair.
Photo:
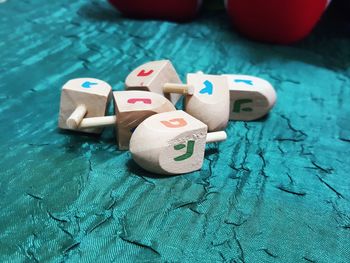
[(277, 190)]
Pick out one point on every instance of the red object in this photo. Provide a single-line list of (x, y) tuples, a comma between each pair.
[(175, 10), (276, 21)]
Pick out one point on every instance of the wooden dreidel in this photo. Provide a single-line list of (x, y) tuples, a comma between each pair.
[(210, 100), (171, 143), (154, 76), (250, 97), (81, 98), (131, 108)]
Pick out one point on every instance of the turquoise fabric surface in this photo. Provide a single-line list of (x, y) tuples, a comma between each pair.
[(277, 190)]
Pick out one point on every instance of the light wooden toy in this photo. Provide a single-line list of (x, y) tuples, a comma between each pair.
[(210, 101), (250, 97), (155, 76), (171, 143), (131, 108), (81, 98)]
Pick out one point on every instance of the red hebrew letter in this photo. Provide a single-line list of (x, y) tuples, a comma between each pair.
[(143, 100), (143, 73), (175, 123)]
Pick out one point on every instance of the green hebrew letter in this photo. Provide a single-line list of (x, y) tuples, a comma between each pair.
[(189, 151), (238, 104)]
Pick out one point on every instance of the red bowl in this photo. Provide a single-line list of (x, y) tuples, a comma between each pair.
[(277, 21)]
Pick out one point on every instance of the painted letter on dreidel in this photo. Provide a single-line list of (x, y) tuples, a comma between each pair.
[(245, 81), (237, 106), (208, 89), (189, 151), (175, 123), (143, 73), (143, 100)]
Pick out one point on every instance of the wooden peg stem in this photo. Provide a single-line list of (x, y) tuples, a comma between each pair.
[(178, 88), (98, 122), (76, 117), (216, 136)]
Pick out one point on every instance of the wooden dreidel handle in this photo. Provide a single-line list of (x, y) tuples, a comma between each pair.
[(178, 88), (76, 117), (131, 108), (83, 98), (153, 76), (98, 122), (171, 143), (250, 97), (210, 100), (218, 136)]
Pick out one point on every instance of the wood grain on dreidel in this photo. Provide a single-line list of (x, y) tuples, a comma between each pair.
[(152, 76), (76, 117), (171, 143), (83, 98), (250, 97), (210, 101), (178, 89), (132, 107)]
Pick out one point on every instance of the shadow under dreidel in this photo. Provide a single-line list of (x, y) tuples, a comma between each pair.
[(80, 136), (77, 139), (210, 150), (134, 168), (261, 119)]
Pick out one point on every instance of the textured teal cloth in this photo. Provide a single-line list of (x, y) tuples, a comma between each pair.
[(278, 190)]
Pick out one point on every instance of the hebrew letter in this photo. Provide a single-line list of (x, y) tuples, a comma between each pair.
[(175, 123), (143, 73), (208, 89), (237, 107), (135, 100), (189, 151), (245, 81)]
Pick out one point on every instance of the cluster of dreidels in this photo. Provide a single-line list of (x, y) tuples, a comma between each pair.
[(162, 139)]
